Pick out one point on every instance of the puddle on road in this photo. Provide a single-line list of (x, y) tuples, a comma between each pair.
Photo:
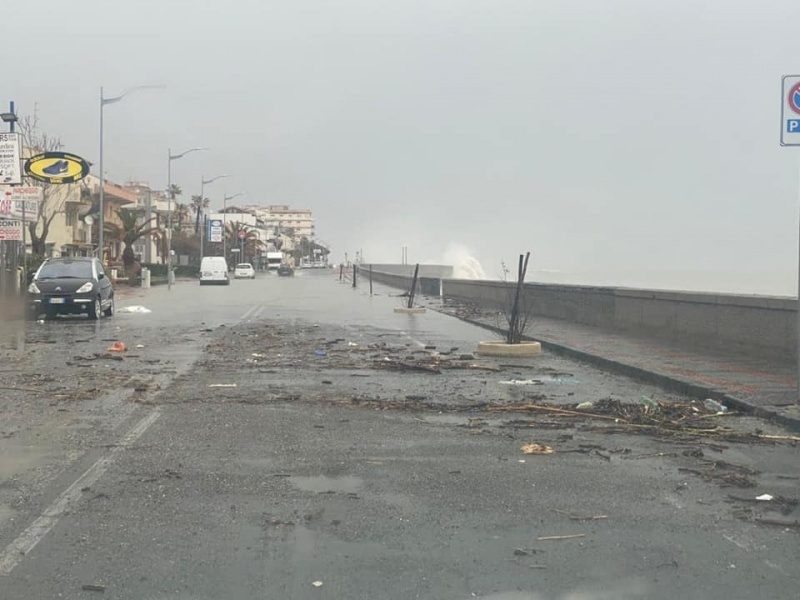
[(16, 458), (321, 483)]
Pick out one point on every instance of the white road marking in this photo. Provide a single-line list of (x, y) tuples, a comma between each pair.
[(258, 312), (27, 540), (247, 314)]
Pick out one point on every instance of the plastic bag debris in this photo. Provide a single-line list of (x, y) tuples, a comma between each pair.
[(765, 497), (222, 385), (537, 449), (257, 355), (139, 346), (714, 406), (134, 309), (316, 583), (585, 406), (117, 347), (320, 353), (521, 382), (648, 403)]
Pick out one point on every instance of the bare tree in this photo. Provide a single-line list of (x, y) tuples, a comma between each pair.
[(54, 197), (519, 305)]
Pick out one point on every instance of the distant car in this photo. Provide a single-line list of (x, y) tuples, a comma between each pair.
[(214, 270), (285, 271), (244, 271), (76, 285)]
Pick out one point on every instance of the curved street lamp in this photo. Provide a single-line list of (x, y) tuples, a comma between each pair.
[(224, 221), (169, 207), (103, 101), (203, 183)]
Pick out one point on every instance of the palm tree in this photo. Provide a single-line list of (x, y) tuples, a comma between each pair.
[(181, 213), (252, 243), (199, 205), (129, 232), (175, 191)]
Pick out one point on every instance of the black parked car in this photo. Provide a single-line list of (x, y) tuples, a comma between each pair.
[(71, 286)]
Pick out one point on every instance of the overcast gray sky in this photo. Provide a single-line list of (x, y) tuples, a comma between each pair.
[(623, 142)]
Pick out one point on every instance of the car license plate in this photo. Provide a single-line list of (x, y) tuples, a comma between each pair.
[(56, 300)]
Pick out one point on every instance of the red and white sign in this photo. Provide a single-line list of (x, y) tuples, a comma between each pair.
[(13, 200), (10, 230)]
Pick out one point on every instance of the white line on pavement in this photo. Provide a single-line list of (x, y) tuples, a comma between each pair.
[(27, 540), (247, 313)]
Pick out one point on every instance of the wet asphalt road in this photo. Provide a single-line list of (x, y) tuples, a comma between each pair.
[(255, 444)]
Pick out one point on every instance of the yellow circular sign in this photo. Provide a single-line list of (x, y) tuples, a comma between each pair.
[(56, 167)]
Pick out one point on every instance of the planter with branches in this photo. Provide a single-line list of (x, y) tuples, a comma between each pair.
[(517, 310)]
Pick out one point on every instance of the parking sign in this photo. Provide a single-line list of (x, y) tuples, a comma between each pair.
[(790, 110)]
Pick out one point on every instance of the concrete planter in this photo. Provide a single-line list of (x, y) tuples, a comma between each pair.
[(411, 311), (506, 349)]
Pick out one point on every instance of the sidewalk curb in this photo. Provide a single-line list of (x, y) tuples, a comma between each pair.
[(667, 382)]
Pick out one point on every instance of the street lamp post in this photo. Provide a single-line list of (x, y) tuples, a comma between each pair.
[(225, 199), (103, 102), (203, 183), (169, 207)]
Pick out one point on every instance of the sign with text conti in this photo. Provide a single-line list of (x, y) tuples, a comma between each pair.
[(790, 110), (10, 230)]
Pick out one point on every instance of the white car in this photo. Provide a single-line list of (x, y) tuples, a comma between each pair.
[(244, 271)]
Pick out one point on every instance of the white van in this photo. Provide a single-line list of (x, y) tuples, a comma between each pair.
[(214, 270)]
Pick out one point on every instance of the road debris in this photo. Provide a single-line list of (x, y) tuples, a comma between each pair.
[(117, 347), (779, 523), (782, 503), (575, 517), (316, 583), (714, 406), (648, 404), (550, 409), (134, 310), (93, 587), (102, 356), (405, 366), (724, 479), (537, 449), (549, 538), (222, 385)]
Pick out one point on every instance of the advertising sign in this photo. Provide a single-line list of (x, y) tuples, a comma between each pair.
[(9, 159), (10, 230), (56, 167), (215, 231), (13, 199)]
